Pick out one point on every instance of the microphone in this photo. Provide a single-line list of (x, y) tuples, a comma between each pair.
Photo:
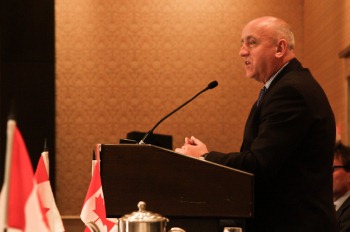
[(211, 85)]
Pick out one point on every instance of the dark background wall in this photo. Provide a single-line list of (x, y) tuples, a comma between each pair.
[(27, 75)]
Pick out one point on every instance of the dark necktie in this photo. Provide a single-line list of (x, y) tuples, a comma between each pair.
[(261, 95)]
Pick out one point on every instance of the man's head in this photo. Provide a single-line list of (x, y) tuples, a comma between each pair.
[(341, 171), (267, 43)]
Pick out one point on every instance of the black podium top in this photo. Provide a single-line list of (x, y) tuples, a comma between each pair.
[(172, 184)]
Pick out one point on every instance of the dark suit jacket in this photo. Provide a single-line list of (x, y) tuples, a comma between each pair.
[(288, 146), (343, 216)]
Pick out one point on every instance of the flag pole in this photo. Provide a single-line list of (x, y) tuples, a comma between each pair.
[(11, 124), (45, 155)]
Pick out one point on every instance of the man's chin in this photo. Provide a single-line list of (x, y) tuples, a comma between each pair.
[(249, 75), (252, 77)]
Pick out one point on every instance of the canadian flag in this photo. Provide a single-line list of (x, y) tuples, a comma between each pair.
[(93, 213), (46, 195), (21, 209)]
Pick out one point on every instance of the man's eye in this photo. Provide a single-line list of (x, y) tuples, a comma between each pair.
[(251, 42)]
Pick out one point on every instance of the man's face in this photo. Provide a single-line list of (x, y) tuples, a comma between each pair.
[(258, 52), (341, 179)]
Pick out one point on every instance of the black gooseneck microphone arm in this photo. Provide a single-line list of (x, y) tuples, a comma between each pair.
[(211, 85)]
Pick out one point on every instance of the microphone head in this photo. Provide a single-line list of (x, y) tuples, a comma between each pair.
[(212, 85)]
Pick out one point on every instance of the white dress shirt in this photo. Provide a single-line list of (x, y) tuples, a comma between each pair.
[(341, 200)]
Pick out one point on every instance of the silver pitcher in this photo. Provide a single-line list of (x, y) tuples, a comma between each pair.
[(142, 221)]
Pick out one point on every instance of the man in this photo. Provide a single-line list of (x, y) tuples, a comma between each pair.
[(289, 136), (341, 186)]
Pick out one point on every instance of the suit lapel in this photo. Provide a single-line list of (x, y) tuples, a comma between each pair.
[(343, 208), (251, 127)]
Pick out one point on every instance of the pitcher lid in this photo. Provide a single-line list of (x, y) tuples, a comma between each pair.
[(142, 215)]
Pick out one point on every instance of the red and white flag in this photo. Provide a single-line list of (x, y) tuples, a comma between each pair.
[(93, 213), (46, 195), (21, 209)]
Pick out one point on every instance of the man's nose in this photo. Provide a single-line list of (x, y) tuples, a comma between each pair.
[(243, 51)]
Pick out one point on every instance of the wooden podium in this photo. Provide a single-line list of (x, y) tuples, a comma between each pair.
[(194, 194)]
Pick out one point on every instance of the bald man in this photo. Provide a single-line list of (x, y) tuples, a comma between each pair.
[(289, 136)]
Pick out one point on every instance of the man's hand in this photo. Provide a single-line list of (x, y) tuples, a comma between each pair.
[(193, 147)]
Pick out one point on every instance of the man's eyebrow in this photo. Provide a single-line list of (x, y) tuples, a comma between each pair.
[(248, 38)]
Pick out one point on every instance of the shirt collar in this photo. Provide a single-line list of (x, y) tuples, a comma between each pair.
[(268, 83), (341, 200)]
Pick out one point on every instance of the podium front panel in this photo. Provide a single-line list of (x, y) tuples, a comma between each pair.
[(172, 184)]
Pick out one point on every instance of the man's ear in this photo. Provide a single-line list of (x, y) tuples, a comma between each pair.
[(281, 48)]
